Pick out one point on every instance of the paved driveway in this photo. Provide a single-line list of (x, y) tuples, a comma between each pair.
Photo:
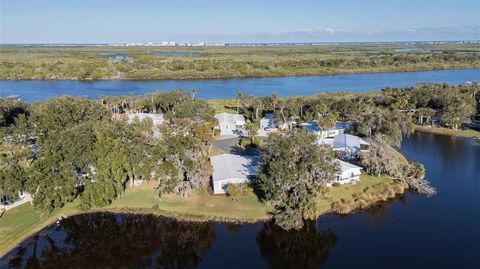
[(230, 145), (226, 144)]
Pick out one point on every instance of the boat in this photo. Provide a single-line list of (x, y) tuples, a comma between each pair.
[(12, 98)]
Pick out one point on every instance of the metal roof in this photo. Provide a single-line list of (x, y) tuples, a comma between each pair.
[(344, 166), (228, 166), (348, 141), (229, 118)]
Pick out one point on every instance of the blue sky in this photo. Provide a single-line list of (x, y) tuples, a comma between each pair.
[(107, 21)]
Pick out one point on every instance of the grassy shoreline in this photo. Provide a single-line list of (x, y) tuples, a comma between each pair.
[(321, 72), (449, 132), (22, 222)]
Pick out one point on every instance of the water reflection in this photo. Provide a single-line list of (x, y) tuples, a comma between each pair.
[(117, 241), (379, 214), (305, 248)]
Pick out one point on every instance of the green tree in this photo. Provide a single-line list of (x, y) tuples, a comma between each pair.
[(457, 113), (293, 172)]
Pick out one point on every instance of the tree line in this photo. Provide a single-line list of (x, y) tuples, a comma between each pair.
[(45, 143), (89, 136)]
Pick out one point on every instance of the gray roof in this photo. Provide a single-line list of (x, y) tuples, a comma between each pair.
[(313, 127), (344, 166), (228, 166), (348, 141), (229, 118)]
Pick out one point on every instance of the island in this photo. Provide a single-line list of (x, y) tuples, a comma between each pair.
[(176, 61)]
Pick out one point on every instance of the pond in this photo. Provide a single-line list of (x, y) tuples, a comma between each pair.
[(410, 231), (177, 53), (35, 90), (416, 50), (356, 52)]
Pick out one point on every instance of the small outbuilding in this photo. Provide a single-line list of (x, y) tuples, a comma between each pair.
[(230, 124), (232, 169), (349, 174)]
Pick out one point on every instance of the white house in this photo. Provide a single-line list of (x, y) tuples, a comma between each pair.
[(232, 169), (349, 146), (349, 174), (322, 132), (157, 120), (230, 124), (268, 121)]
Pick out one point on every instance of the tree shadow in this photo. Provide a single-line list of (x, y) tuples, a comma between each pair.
[(305, 248), (107, 240)]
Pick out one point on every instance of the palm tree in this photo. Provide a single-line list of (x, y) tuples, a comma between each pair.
[(194, 91)]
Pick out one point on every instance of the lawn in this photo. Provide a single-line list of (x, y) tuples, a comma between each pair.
[(223, 105), (200, 205), (20, 222), (347, 191), (468, 133)]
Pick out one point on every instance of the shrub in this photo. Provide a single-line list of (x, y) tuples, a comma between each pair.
[(245, 142), (256, 142), (235, 190), (336, 184)]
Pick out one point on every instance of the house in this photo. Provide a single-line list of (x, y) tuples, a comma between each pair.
[(268, 121), (349, 174), (232, 169), (7, 202), (349, 146), (322, 132), (157, 120), (230, 124)]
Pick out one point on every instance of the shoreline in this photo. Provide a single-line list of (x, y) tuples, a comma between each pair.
[(352, 72), (376, 194), (468, 133)]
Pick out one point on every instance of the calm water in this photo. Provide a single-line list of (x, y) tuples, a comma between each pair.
[(227, 88), (410, 231), (177, 53)]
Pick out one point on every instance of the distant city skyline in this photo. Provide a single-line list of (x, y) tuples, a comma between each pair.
[(108, 21)]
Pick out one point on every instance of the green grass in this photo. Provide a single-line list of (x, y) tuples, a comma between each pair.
[(347, 191), (199, 204), (223, 105), (451, 132), (19, 223), (398, 155)]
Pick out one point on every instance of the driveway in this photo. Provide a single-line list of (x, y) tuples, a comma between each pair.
[(230, 145)]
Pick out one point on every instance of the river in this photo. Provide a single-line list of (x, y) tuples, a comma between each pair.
[(410, 231), (35, 90)]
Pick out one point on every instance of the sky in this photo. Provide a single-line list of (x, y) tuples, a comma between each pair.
[(121, 21)]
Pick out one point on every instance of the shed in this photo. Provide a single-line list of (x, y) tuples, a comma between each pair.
[(349, 173)]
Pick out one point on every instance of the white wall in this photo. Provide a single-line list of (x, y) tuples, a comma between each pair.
[(219, 187)]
